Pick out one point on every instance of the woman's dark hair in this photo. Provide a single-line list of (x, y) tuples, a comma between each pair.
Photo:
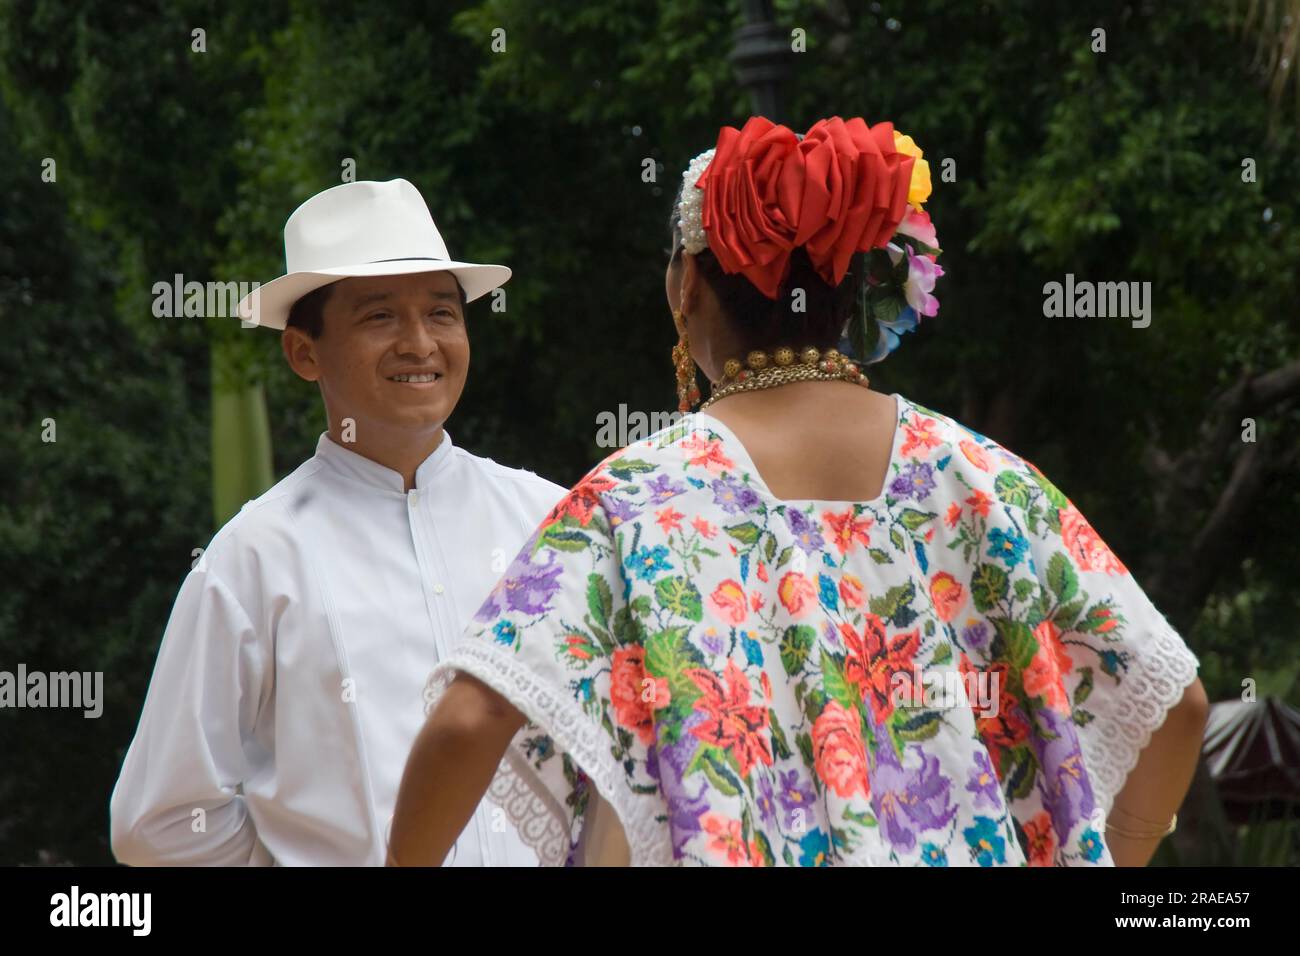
[(768, 323)]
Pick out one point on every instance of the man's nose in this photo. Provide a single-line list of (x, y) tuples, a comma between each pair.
[(415, 336)]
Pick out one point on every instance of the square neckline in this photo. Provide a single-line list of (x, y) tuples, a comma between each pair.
[(760, 484)]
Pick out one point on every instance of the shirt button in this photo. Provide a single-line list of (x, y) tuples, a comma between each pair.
[(438, 589), (415, 497)]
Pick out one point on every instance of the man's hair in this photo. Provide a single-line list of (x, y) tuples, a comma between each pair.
[(308, 313)]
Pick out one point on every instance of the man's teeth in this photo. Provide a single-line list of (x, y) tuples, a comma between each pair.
[(427, 377)]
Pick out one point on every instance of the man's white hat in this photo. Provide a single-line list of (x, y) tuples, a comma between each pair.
[(360, 229)]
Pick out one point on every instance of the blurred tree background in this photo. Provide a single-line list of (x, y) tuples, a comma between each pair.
[(1122, 165)]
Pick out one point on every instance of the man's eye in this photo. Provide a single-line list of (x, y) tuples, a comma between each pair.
[(379, 315)]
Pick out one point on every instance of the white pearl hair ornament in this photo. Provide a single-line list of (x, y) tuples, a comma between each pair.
[(690, 211)]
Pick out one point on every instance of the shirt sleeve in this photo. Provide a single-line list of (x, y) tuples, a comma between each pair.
[(556, 638), (1098, 639), (178, 799)]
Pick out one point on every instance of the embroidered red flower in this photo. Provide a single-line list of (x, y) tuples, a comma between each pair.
[(734, 724)]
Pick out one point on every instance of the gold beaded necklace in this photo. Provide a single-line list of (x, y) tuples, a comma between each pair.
[(780, 368)]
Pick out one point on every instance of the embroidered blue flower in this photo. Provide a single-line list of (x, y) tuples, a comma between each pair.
[(1009, 546), (647, 562), (985, 839)]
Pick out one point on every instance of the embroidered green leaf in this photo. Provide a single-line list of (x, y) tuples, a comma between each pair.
[(1021, 775), (1012, 489), (804, 743), (624, 468), (880, 556), (1085, 687), (1061, 577), (836, 685), (922, 726), (785, 557), (894, 606), (565, 540), (942, 653), (1024, 587), (1054, 495), (1068, 614), (719, 775), (913, 519), (599, 599), (796, 642), (679, 596), (780, 748), (1018, 642), (746, 533), (769, 548), (896, 539), (988, 586)]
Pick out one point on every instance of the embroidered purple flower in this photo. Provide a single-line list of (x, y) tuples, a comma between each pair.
[(795, 795), (526, 587), (986, 842), (915, 480), (619, 510), (1063, 781), (909, 800), (712, 641), (1010, 547), (733, 497), (806, 531), (647, 562), (975, 635), (983, 782), (662, 488)]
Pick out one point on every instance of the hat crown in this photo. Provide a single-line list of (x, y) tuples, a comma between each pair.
[(361, 222)]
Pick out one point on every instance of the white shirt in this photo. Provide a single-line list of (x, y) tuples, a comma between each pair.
[(288, 689)]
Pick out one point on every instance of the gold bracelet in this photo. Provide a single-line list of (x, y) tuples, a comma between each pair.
[(1173, 825)]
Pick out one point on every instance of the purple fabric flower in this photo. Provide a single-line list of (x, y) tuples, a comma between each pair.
[(976, 636), (529, 587), (915, 480), (794, 795), (983, 783), (712, 642), (662, 488), (910, 800), (807, 534), (733, 497), (619, 510), (1063, 782)]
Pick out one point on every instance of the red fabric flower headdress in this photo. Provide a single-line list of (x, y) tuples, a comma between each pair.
[(844, 188)]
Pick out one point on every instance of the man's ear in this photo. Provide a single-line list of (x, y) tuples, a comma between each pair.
[(300, 352)]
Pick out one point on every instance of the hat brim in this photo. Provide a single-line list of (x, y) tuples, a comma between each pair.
[(269, 304)]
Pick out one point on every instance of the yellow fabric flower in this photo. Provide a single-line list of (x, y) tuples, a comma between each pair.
[(918, 190)]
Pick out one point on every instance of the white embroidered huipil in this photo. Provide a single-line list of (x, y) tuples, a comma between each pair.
[(288, 688)]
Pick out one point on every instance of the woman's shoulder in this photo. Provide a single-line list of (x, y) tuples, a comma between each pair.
[(941, 445)]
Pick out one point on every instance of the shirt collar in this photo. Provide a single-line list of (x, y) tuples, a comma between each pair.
[(379, 476)]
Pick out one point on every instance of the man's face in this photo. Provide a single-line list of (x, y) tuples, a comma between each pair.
[(393, 354)]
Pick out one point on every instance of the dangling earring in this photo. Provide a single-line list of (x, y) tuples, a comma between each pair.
[(688, 392)]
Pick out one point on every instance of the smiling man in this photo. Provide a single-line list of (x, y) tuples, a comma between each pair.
[(289, 685)]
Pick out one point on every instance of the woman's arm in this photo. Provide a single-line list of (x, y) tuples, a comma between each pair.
[(449, 770), (1158, 783)]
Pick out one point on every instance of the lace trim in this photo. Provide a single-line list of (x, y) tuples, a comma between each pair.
[(518, 789), (1125, 722)]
